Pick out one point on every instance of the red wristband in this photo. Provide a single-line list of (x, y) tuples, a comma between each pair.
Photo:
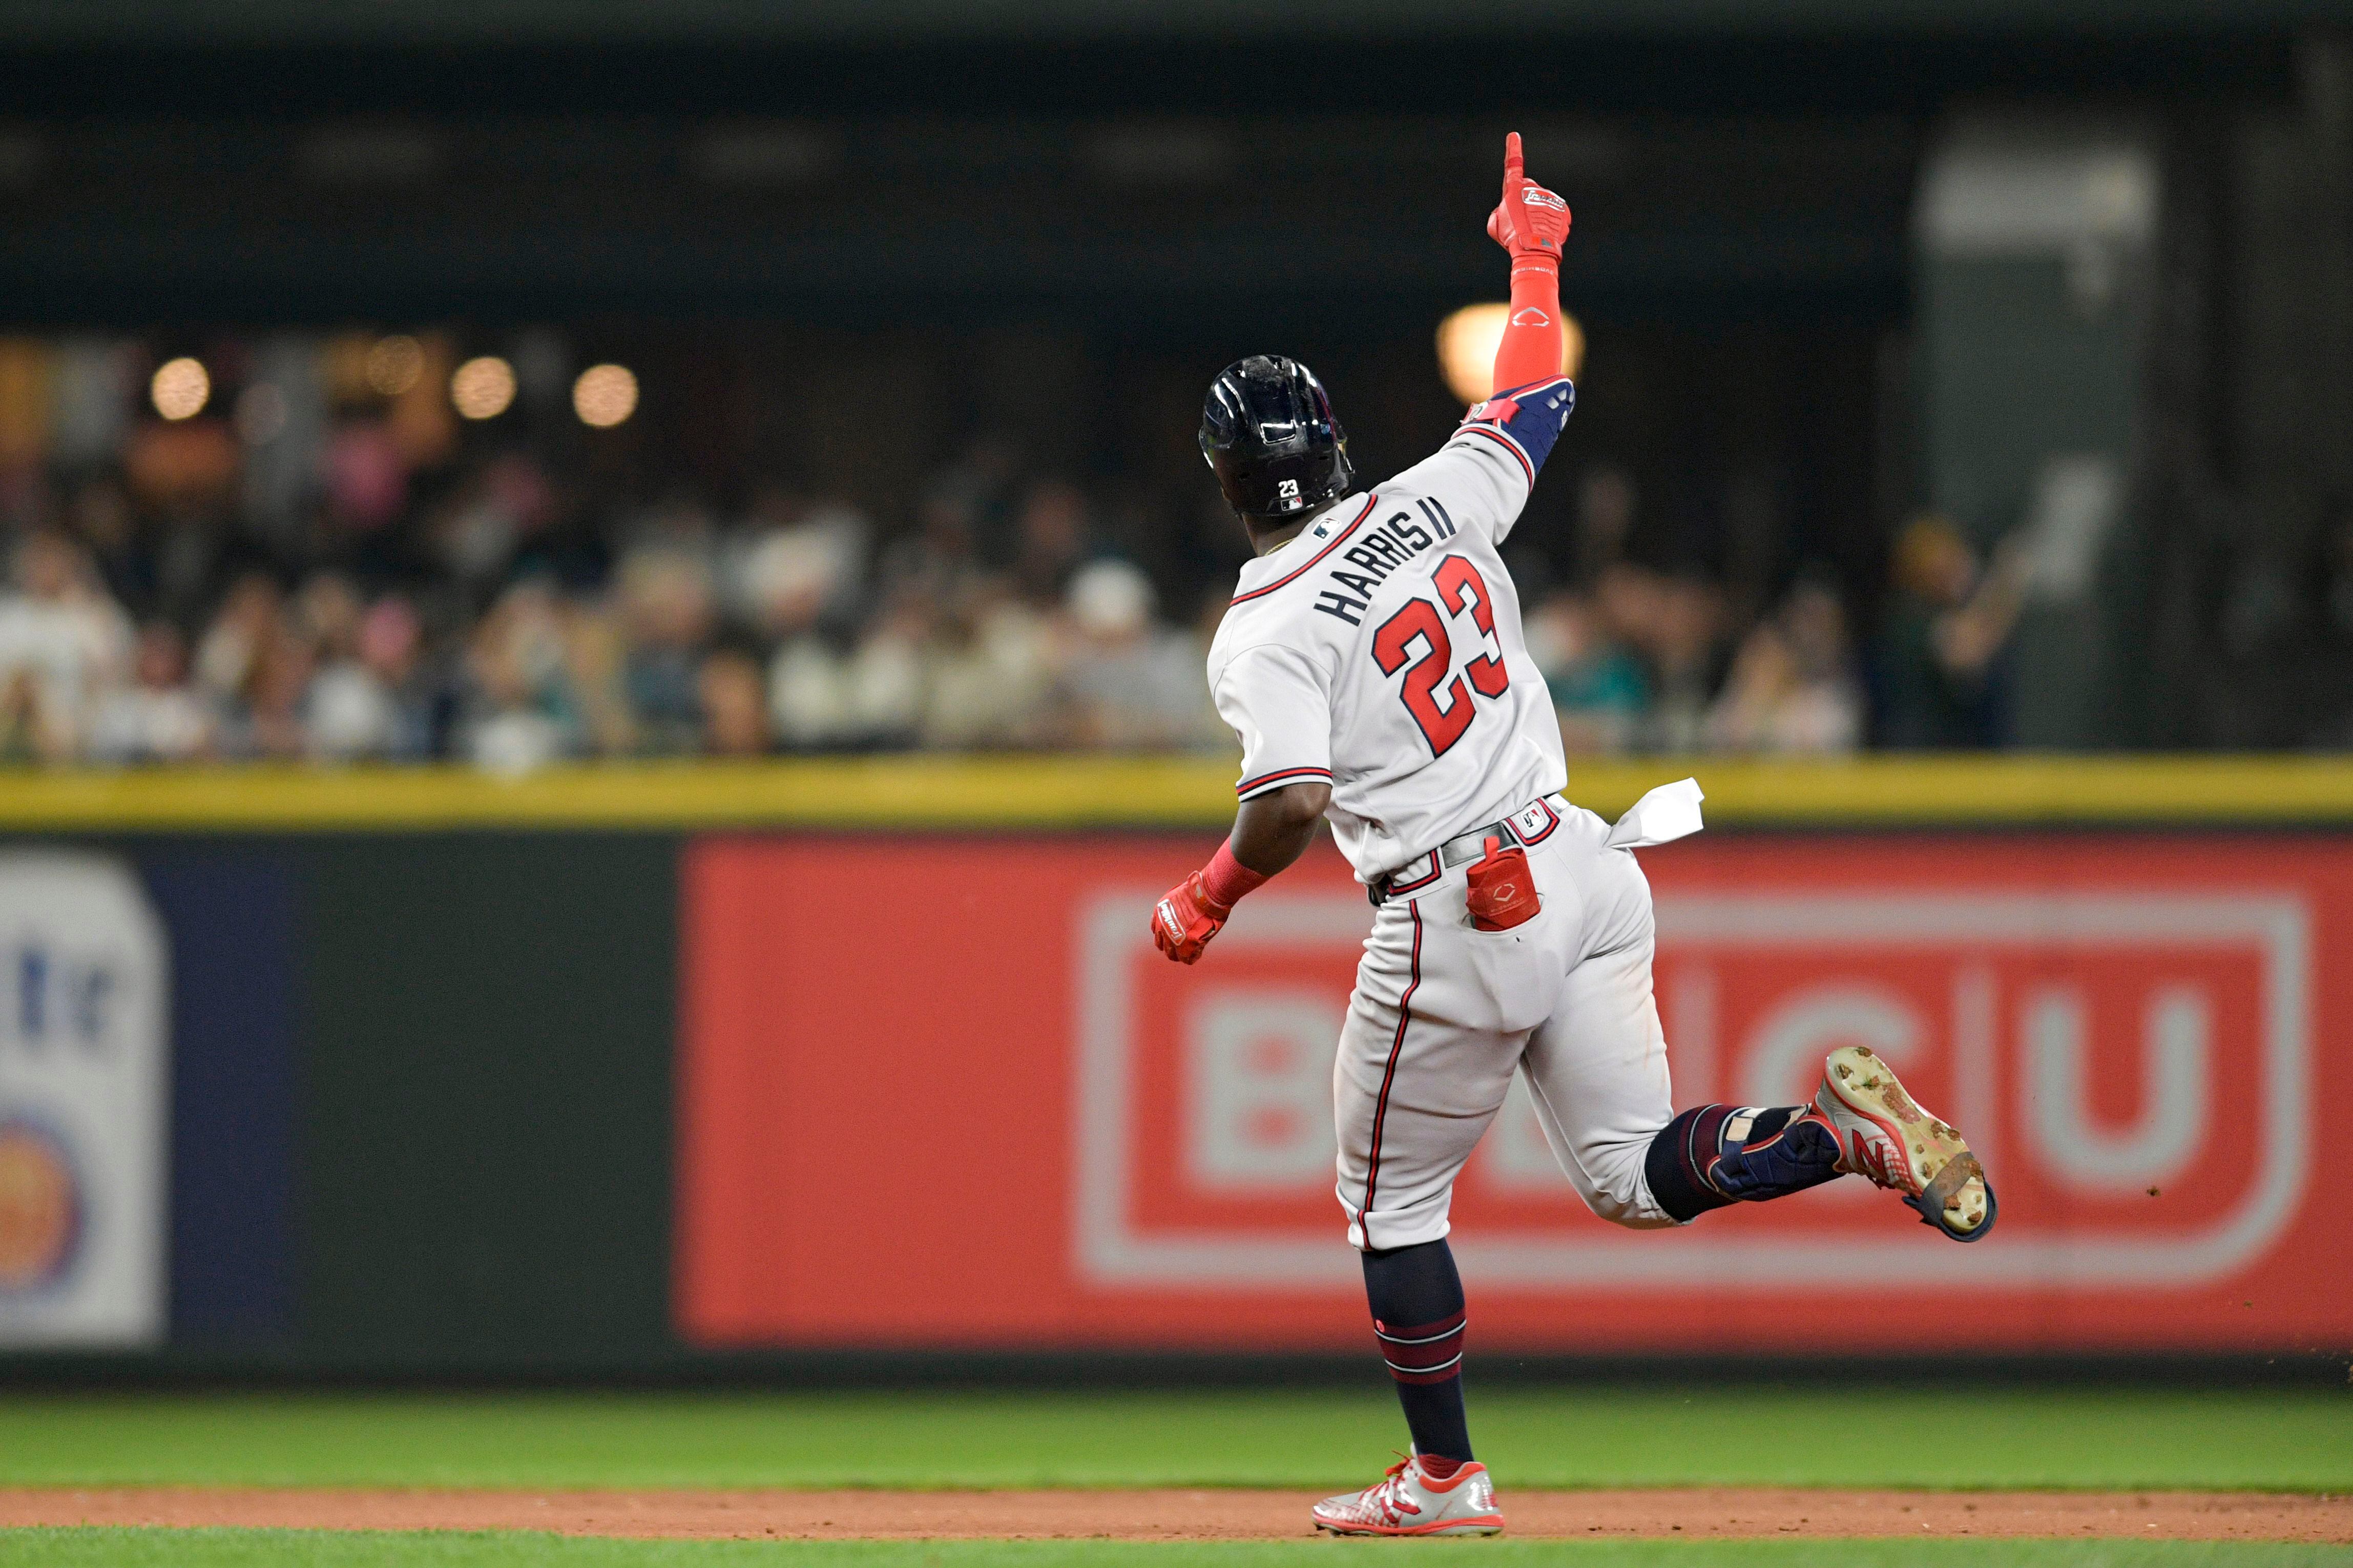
[(1225, 879), (1530, 351)]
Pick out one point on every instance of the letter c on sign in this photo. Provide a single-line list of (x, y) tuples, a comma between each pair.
[(1785, 1054)]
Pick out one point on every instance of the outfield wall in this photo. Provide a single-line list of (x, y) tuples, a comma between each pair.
[(642, 1068)]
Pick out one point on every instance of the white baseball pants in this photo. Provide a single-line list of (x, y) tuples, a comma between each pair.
[(1443, 1014)]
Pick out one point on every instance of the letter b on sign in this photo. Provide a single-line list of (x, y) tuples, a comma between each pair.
[(1258, 1072)]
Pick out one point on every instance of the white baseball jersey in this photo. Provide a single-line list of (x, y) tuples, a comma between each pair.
[(1380, 648)]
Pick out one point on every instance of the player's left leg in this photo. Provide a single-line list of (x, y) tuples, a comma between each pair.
[(1862, 1122)]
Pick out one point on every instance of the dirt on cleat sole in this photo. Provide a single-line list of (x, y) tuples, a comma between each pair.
[(1949, 1205), (1955, 1195)]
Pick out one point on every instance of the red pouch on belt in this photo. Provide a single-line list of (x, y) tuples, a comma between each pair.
[(1503, 889)]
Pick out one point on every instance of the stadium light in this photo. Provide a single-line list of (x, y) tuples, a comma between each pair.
[(1466, 348), (483, 388), (180, 388), (605, 395), (393, 365)]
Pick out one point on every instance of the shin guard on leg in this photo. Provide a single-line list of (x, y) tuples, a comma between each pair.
[(1712, 1155), (1418, 1320)]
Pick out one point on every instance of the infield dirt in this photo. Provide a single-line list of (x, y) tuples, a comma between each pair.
[(1194, 1515)]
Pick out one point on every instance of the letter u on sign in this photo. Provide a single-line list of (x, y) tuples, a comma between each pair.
[(2176, 1030)]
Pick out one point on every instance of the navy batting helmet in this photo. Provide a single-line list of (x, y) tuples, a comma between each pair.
[(1268, 432)]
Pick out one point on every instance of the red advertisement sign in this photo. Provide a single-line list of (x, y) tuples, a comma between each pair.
[(944, 1092)]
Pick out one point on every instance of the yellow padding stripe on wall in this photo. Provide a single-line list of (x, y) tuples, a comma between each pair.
[(1096, 791)]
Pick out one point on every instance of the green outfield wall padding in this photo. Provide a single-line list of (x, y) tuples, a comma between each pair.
[(484, 1156)]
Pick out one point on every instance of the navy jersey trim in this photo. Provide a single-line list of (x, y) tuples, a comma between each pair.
[(1434, 874), (1282, 776), (1370, 501), (1503, 438)]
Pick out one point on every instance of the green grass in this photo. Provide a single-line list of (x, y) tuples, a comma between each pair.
[(306, 1549), (1581, 1437)]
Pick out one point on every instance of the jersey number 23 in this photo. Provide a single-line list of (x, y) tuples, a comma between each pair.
[(1442, 710)]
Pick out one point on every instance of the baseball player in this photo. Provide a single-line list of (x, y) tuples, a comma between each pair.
[(1372, 666)]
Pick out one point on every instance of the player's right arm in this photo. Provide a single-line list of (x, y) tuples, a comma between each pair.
[(1484, 475), (1279, 701), (1532, 225)]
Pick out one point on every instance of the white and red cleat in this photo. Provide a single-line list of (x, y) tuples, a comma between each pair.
[(1884, 1133), (1409, 1502)]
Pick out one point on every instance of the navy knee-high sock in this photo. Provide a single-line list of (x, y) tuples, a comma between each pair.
[(1417, 1301), (1712, 1155)]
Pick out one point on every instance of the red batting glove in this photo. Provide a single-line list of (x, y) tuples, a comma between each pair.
[(1186, 918), (1530, 222)]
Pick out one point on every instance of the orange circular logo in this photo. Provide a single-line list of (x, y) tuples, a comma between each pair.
[(41, 1211)]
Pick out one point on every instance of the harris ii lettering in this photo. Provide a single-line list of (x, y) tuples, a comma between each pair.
[(1387, 546)]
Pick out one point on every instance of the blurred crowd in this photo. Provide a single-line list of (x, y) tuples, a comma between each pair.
[(400, 587), (1639, 659), (785, 629)]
